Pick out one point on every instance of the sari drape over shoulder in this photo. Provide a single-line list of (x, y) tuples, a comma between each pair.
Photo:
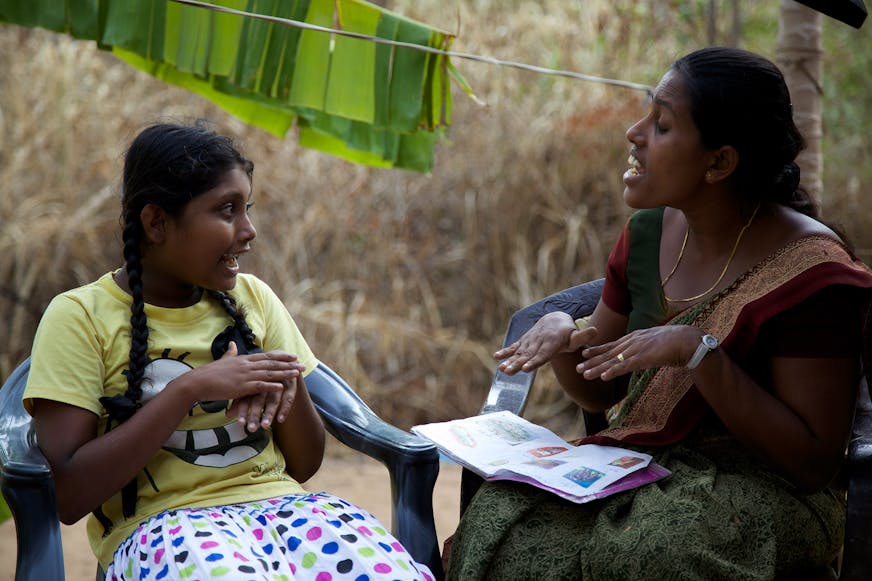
[(663, 406), (723, 513)]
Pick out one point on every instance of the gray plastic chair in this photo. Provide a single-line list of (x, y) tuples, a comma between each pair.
[(412, 462)]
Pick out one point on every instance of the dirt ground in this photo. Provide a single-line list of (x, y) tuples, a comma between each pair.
[(356, 478)]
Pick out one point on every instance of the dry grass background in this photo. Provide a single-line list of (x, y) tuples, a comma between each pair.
[(402, 282)]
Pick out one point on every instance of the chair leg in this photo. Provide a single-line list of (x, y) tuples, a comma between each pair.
[(470, 482), (37, 529), (412, 520)]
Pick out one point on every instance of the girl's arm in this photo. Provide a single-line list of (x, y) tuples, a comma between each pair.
[(88, 468), (300, 435), (802, 427)]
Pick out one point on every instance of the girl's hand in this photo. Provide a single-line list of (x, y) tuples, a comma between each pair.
[(259, 410), (553, 333), (236, 376), (664, 346)]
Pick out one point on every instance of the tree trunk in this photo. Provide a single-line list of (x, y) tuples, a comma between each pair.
[(798, 52), (712, 23)]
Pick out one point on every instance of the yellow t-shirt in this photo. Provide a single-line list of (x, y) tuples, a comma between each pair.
[(80, 352)]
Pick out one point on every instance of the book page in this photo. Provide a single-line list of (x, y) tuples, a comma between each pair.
[(504, 446)]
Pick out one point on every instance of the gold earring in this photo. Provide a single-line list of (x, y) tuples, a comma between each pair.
[(709, 176)]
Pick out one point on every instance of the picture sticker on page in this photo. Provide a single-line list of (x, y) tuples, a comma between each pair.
[(546, 463), (546, 451), (462, 436), (584, 477), (512, 433), (626, 461)]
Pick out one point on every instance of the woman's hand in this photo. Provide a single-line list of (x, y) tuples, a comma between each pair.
[(553, 333), (664, 346)]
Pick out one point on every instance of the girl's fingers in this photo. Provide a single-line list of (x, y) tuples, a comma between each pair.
[(287, 400), (255, 412)]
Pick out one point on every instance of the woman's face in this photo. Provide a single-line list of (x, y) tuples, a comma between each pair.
[(667, 159), (202, 246)]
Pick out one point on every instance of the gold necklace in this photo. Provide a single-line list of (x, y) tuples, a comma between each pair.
[(723, 272)]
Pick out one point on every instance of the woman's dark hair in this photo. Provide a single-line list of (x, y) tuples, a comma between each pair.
[(740, 99), (167, 165)]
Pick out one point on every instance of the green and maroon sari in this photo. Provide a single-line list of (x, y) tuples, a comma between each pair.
[(723, 513)]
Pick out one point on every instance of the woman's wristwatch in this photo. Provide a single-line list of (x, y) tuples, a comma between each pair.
[(706, 346)]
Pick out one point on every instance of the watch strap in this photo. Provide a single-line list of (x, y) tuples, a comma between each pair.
[(707, 344)]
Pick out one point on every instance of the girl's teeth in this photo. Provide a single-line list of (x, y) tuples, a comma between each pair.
[(232, 261)]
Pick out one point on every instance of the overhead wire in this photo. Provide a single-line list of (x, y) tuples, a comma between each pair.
[(423, 48)]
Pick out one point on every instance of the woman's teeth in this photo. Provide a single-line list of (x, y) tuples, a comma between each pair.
[(232, 261), (635, 166)]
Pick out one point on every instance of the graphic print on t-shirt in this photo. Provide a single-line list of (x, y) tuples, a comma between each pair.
[(216, 447)]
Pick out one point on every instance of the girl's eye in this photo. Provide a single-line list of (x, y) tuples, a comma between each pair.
[(248, 207), (659, 128)]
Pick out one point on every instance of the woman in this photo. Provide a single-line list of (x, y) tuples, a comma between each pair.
[(726, 344)]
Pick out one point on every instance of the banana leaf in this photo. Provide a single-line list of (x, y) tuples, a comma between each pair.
[(367, 102)]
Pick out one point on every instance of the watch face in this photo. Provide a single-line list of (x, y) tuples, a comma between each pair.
[(710, 342)]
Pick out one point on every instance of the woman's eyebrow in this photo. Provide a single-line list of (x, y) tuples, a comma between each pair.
[(659, 101)]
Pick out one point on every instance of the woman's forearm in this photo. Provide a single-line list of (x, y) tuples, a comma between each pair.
[(592, 395), (804, 437)]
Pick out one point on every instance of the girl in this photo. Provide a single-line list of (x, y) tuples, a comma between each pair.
[(134, 376)]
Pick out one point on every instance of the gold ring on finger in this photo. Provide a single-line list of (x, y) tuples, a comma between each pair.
[(620, 357)]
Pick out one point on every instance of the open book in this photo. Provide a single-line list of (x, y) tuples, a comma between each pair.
[(503, 446)]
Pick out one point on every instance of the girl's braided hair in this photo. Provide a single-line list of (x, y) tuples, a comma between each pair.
[(167, 165)]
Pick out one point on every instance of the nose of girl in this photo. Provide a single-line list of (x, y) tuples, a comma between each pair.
[(247, 229)]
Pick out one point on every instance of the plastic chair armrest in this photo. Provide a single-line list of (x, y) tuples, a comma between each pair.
[(511, 392), (412, 462), (28, 488)]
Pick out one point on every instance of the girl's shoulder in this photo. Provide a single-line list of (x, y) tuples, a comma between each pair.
[(249, 284), (101, 291)]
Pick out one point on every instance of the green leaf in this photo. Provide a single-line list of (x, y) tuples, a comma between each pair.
[(313, 59), (315, 139), (407, 78), (81, 17), (364, 101), (267, 116), (49, 14), (137, 26), (350, 90)]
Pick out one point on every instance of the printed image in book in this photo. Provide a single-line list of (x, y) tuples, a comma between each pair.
[(504, 446)]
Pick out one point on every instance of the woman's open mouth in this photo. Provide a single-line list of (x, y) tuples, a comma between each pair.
[(635, 170)]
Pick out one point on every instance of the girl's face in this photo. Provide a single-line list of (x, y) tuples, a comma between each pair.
[(201, 247), (667, 159)]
